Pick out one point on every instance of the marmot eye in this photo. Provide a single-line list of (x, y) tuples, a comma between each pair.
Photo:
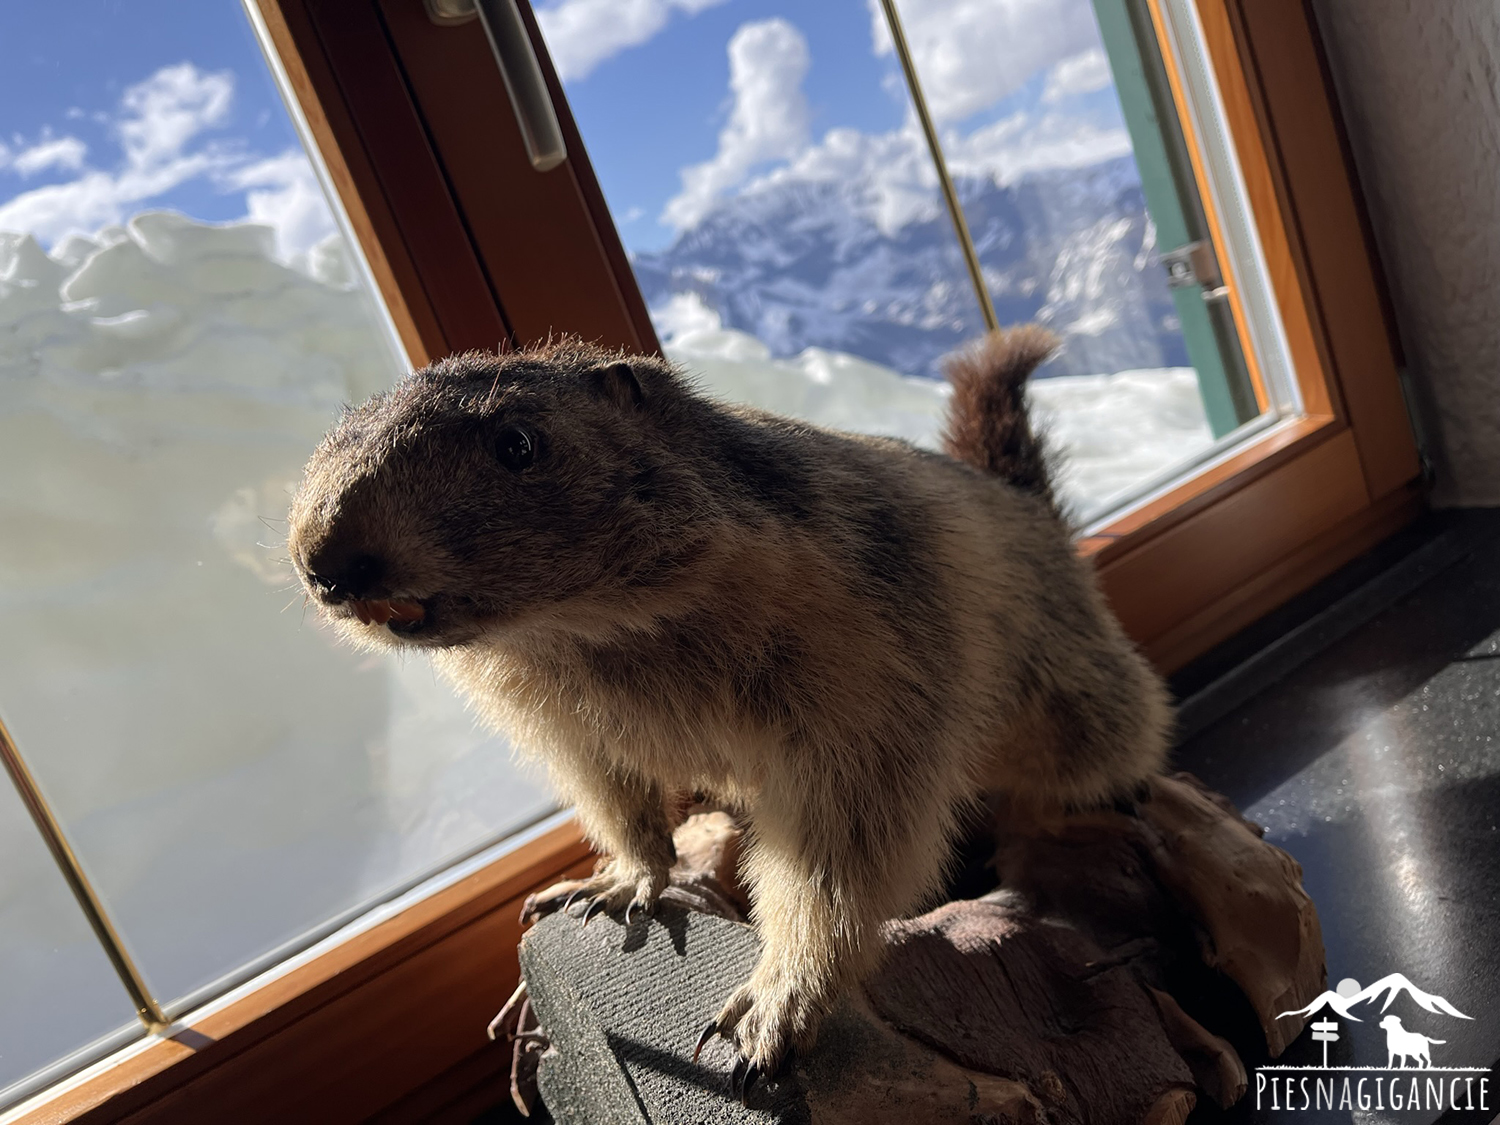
[(515, 448)]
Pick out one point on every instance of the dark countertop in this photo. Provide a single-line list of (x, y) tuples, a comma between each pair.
[(1376, 764)]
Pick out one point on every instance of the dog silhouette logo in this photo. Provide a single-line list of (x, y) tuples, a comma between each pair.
[(1402, 1044)]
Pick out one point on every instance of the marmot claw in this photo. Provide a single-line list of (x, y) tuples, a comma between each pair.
[(602, 892), (557, 897), (708, 1033), (746, 1071), (742, 1078)]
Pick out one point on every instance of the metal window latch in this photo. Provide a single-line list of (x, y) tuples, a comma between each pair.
[(1195, 265), (518, 66)]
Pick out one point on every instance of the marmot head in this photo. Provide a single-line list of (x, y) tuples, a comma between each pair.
[(485, 492)]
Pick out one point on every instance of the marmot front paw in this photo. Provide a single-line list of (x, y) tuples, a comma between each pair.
[(614, 886), (765, 1018)]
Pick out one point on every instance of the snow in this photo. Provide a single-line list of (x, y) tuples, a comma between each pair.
[(230, 774), (1114, 432)]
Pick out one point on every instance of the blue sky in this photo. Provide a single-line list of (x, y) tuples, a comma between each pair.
[(649, 111), (115, 106), (68, 65), (685, 106)]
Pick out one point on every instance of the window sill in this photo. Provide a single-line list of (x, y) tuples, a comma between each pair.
[(1196, 564)]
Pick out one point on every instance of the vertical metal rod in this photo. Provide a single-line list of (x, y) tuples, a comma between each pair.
[(47, 824), (955, 211)]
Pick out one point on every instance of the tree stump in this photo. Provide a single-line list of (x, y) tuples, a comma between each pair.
[(1103, 982)]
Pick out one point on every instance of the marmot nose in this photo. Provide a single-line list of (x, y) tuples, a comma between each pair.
[(352, 576)]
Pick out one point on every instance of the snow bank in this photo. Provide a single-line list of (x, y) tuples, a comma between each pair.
[(230, 775)]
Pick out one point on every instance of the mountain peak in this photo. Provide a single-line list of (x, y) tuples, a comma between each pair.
[(1329, 999), (1390, 987), (1394, 984)]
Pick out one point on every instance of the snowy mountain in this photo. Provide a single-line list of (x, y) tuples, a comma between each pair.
[(802, 263)]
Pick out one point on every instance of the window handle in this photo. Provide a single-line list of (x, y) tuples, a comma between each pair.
[(1195, 264), (519, 69)]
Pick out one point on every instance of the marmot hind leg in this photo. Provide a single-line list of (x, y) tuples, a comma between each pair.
[(1087, 742)]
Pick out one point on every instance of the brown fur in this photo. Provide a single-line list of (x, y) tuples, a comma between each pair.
[(989, 426), (843, 637)]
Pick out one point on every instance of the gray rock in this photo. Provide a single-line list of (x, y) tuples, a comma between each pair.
[(623, 1008)]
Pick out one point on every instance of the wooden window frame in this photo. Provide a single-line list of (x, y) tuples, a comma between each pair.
[(1229, 545), (470, 248)]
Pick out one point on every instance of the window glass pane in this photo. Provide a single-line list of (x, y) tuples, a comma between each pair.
[(767, 173), (180, 320), (57, 990), (1059, 124)]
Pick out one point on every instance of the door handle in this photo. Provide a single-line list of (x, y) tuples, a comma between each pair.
[(516, 60)]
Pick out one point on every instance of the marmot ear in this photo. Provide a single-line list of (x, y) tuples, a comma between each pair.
[(618, 383)]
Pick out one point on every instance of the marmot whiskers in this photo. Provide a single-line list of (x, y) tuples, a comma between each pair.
[(845, 638)]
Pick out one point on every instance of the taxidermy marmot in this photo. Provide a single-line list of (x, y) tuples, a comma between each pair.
[(843, 637)]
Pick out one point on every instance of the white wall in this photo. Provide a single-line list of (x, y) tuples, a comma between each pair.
[(1419, 82)]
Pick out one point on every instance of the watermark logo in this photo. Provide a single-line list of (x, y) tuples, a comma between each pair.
[(1397, 1085)]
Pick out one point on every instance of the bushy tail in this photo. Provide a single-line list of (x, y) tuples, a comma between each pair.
[(988, 426)]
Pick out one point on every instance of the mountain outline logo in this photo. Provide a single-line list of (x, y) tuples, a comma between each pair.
[(1393, 985)]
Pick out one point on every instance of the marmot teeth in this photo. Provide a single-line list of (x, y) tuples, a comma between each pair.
[(380, 611)]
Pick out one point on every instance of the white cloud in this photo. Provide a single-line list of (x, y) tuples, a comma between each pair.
[(972, 53), (283, 192), (50, 212), (768, 121), (682, 315), (1083, 73), (158, 118), (66, 153), (889, 175), (158, 124), (888, 178), (166, 111), (1010, 148), (581, 34)]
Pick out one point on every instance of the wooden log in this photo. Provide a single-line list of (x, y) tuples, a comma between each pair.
[(1215, 1064), (1186, 882), (1259, 926), (1004, 993)]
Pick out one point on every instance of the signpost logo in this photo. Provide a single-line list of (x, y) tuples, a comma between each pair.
[(1397, 1085)]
